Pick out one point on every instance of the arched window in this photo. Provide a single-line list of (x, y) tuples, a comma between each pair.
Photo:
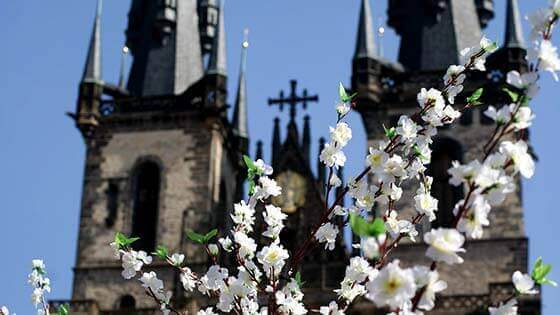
[(146, 204), (444, 152), (112, 193), (127, 303)]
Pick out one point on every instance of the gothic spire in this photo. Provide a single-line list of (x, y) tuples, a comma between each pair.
[(92, 70), (306, 141), (217, 63), (240, 121), (259, 151), (321, 170), (514, 31), (365, 42), (124, 53), (276, 144)]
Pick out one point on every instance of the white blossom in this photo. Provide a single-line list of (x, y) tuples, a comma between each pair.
[(247, 245), (426, 204), (342, 108), (132, 262), (5, 311), (429, 280), (407, 128), (188, 279), (267, 187), (341, 134), (264, 168), (244, 215), (523, 283), (226, 243), (392, 287), (518, 153), (332, 309), (539, 21), (510, 308), (273, 257), (332, 155), (474, 218), (444, 245), (327, 234), (177, 259), (207, 311), (526, 81), (273, 217), (377, 159), (547, 55)]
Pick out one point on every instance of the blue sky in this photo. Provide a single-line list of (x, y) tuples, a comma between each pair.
[(41, 164)]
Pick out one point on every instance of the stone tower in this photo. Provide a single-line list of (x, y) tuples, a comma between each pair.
[(160, 151), (433, 32)]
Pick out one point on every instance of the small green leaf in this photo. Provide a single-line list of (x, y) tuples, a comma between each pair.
[(210, 235), (492, 47), (63, 309), (122, 241), (540, 271), (195, 237), (342, 93), (363, 228), (513, 95), (249, 162), (161, 252), (473, 99), (298, 279), (377, 227), (390, 133)]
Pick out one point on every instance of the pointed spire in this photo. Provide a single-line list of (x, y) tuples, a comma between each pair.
[(306, 141), (259, 152), (124, 53), (321, 170), (514, 30), (92, 70), (365, 45), (276, 142), (240, 121), (217, 63)]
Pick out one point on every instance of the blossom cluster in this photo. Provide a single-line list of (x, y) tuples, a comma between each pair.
[(40, 284)]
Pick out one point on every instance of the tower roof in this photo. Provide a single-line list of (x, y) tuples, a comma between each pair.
[(217, 63), (165, 43), (365, 41), (514, 31), (92, 69), (434, 33), (240, 121)]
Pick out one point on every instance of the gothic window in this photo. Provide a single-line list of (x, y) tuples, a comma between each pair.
[(146, 204), (127, 303), (444, 152), (112, 193), (221, 208)]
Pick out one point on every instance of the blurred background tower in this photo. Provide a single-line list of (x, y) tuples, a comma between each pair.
[(433, 32)]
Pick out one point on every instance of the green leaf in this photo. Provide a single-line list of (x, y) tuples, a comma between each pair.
[(342, 93), (475, 96), (390, 133), (513, 95), (193, 236), (377, 227), (161, 252), (63, 309), (492, 47), (210, 235), (540, 271), (249, 162), (298, 279), (122, 241), (363, 228)]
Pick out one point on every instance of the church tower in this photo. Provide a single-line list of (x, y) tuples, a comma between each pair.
[(160, 150), (433, 32)]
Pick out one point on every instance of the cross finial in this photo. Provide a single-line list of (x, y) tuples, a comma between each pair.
[(293, 99)]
